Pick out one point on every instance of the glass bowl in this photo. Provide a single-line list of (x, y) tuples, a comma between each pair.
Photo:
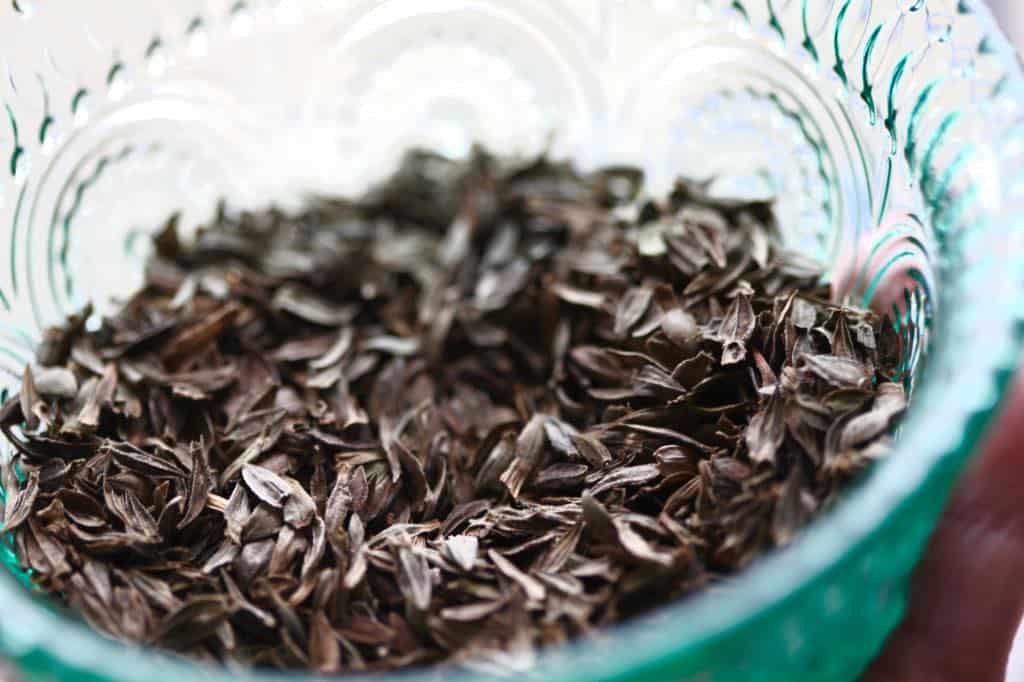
[(891, 133)]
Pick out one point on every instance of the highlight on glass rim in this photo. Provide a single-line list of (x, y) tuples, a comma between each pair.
[(485, 339)]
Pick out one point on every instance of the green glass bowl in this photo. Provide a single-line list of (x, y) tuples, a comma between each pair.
[(891, 133)]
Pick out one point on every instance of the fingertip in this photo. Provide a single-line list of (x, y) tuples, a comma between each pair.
[(966, 596)]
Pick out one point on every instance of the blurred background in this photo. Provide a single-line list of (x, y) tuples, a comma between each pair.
[(1011, 16), (1011, 13)]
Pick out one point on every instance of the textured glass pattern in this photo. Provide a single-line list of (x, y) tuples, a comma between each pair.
[(891, 131)]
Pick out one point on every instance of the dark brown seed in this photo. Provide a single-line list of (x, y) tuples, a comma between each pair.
[(735, 329), (21, 504), (412, 469), (264, 522), (487, 407), (98, 398), (592, 450), (225, 555), (193, 338), (316, 549), (324, 650), (680, 328), (626, 476), (236, 514), (803, 313), (766, 430), (299, 507), (558, 553), (199, 486), (559, 435), (528, 452), (790, 513), (193, 621), (414, 579), (630, 309), (469, 613), (266, 485), (532, 588), (368, 631), (142, 462), (571, 294), (462, 550), (29, 398), (890, 402), (311, 308), (837, 371), (253, 560), (562, 476)]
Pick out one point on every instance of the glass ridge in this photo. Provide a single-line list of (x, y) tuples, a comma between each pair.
[(891, 130)]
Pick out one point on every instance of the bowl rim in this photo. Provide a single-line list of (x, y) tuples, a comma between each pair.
[(40, 639)]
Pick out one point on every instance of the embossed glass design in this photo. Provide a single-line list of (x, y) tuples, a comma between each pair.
[(890, 131)]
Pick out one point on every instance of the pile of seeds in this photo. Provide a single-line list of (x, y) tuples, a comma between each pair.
[(489, 407)]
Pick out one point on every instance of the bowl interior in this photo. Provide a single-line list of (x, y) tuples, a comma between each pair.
[(888, 133)]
